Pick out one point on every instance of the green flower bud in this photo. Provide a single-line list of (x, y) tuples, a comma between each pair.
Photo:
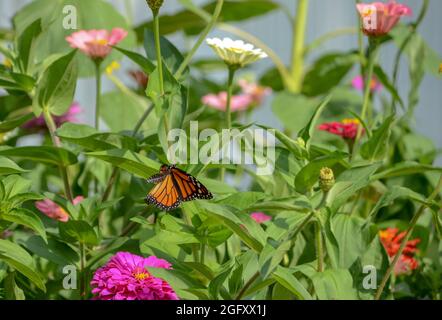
[(155, 5), (326, 179)]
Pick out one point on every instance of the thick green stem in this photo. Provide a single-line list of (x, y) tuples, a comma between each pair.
[(297, 67), (202, 37), (56, 141), (404, 44), (156, 30), (97, 93), (247, 286), (82, 271), (405, 239), (231, 76), (319, 247)]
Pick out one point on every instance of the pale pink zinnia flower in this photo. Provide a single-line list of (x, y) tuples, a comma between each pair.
[(260, 217), (255, 91), (53, 210), (379, 18), (125, 277), (97, 44), (219, 101), (359, 84), (38, 124)]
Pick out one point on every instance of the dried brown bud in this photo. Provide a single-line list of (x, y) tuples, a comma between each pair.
[(326, 179), (155, 5)]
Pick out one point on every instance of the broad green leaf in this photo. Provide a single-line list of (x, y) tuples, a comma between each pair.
[(11, 124), (294, 111), (56, 88), (296, 148), (334, 284), (54, 250), (327, 72), (130, 161), (145, 64), (26, 43), (309, 175), (14, 185), (376, 147), (13, 291), (78, 231), (17, 258), (383, 78), (26, 218), (404, 169), (243, 200), (241, 224), (348, 183), (43, 154), (285, 278), (9, 167)]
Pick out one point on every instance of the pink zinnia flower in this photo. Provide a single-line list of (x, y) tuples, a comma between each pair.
[(379, 18), (39, 124), (125, 277), (260, 217), (219, 101), (53, 210), (255, 91), (347, 129), (359, 84), (391, 240), (97, 44)]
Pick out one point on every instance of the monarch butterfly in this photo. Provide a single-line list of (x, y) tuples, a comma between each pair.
[(173, 187)]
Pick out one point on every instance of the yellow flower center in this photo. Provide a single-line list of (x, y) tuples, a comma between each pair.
[(140, 274), (112, 67), (350, 121), (367, 12), (101, 42)]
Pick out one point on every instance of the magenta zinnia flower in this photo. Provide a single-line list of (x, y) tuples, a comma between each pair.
[(219, 101), (379, 18), (39, 124), (125, 277), (260, 217), (96, 44), (53, 210)]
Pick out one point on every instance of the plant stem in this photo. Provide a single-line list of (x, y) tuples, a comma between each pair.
[(202, 37), (247, 286), (56, 141), (297, 67), (202, 253), (82, 271), (97, 93), (404, 44), (231, 76), (156, 30), (361, 46), (319, 248), (405, 239)]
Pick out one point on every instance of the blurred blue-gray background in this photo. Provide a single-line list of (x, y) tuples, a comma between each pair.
[(275, 30)]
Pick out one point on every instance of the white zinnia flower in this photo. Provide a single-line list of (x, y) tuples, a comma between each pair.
[(236, 52)]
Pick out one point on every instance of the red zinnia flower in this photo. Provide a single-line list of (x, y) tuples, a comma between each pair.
[(347, 129), (391, 241)]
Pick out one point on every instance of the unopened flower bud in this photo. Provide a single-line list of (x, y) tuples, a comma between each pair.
[(300, 142), (326, 179), (155, 5)]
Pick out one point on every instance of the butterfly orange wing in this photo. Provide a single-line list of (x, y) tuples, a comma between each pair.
[(189, 188), (164, 195)]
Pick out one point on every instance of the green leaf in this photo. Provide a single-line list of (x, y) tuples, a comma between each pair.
[(11, 124), (9, 167), (215, 286), (26, 218), (334, 284), (42, 154), (307, 132), (383, 78), (240, 224), (327, 72), (293, 110), (376, 148), (285, 278), (348, 183), (404, 169), (55, 251), (26, 45), (293, 146), (145, 64), (17, 258), (13, 292), (309, 175), (130, 161), (92, 14), (78, 231), (192, 23), (56, 88)]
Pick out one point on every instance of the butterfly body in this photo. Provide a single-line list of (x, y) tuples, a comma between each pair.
[(174, 186)]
